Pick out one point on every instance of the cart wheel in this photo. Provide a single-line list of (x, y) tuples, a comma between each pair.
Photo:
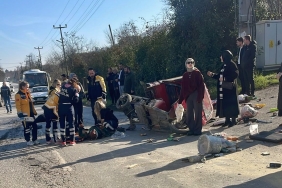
[(123, 101)]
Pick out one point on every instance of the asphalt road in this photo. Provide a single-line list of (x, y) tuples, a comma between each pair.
[(132, 162)]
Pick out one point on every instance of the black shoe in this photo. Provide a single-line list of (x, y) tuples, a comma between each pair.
[(120, 129), (189, 133), (197, 134), (226, 124)]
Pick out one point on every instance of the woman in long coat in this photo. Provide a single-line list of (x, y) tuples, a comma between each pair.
[(227, 101)]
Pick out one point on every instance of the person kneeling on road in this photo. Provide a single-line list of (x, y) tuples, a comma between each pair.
[(25, 108), (107, 123)]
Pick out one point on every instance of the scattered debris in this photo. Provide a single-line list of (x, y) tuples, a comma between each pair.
[(265, 153), (232, 138), (262, 121), (259, 106), (146, 129), (273, 110), (149, 140), (274, 165), (149, 153), (132, 166), (239, 149), (143, 134), (254, 129)]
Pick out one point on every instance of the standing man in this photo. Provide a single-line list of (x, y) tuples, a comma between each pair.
[(6, 96), (121, 79), (96, 90), (64, 79), (129, 81), (240, 45), (248, 64), (110, 79)]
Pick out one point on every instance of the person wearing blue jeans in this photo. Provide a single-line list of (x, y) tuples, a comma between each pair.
[(6, 96)]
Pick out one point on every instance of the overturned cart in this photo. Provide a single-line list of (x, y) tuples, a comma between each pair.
[(157, 109)]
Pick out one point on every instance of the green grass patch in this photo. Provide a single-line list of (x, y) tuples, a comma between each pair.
[(264, 81)]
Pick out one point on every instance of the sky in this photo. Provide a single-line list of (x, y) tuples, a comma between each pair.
[(25, 24)]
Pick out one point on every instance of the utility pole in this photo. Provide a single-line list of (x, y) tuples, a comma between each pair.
[(111, 35), (62, 39), (39, 56), (29, 56)]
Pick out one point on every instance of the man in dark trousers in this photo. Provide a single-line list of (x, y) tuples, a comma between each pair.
[(248, 64), (240, 45), (129, 81), (121, 78), (110, 80), (96, 90), (6, 96)]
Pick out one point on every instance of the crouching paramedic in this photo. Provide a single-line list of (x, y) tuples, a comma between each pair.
[(51, 112), (67, 97), (107, 123), (96, 89), (25, 108)]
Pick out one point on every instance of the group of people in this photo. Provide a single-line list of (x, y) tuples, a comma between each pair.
[(193, 87), (120, 82), (64, 96)]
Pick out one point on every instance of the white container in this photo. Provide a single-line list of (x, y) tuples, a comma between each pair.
[(209, 144), (254, 129)]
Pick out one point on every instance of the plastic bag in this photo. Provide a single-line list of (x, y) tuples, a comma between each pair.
[(241, 98), (179, 112), (248, 112), (254, 129)]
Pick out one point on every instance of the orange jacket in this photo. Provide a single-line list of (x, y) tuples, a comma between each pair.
[(23, 103)]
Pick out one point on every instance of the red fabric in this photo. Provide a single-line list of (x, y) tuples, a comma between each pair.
[(189, 85)]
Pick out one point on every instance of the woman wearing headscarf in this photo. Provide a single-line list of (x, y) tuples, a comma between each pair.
[(25, 108), (192, 90), (227, 101)]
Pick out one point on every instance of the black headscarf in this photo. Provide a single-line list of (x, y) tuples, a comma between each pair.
[(227, 56)]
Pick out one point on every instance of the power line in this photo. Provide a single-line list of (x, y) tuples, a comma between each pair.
[(55, 22), (85, 12), (87, 16), (91, 15), (69, 12), (76, 11)]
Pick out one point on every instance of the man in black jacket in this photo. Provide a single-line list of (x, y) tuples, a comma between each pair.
[(241, 48), (6, 96), (110, 80), (249, 63), (96, 90)]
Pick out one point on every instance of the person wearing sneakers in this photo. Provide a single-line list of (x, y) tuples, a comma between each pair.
[(25, 108), (51, 112), (6, 96), (67, 97)]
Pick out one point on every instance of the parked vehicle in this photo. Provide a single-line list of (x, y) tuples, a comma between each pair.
[(36, 77), (157, 109), (39, 94)]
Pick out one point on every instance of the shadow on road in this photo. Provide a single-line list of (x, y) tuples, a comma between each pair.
[(271, 180)]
